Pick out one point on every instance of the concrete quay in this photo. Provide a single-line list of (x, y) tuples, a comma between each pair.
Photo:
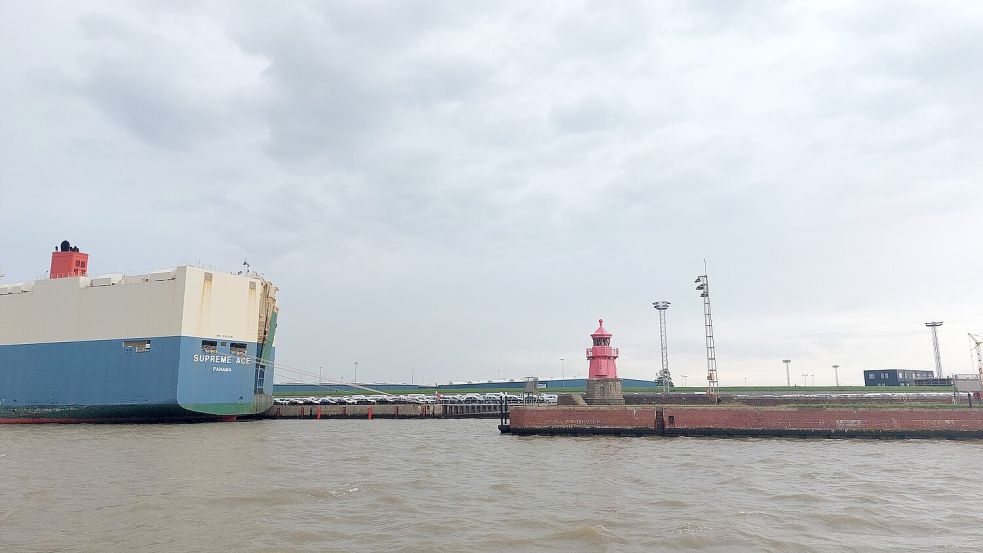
[(392, 411)]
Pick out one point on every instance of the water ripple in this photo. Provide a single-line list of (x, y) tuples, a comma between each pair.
[(458, 485)]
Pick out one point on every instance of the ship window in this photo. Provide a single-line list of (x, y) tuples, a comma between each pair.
[(209, 346), (137, 346), (238, 349)]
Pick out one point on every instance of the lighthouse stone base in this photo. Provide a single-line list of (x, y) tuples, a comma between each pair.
[(604, 391)]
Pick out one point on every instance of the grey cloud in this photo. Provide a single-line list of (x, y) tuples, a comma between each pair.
[(337, 73), (141, 82), (145, 105), (597, 31), (589, 114)]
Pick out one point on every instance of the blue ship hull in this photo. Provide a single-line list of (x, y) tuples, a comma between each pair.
[(174, 379)]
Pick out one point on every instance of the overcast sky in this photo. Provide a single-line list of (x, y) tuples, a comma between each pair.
[(462, 189)]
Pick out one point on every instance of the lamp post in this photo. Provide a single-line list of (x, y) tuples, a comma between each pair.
[(355, 378), (813, 380), (836, 375), (563, 380), (788, 376)]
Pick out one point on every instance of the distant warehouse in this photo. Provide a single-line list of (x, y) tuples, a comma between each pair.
[(903, 377)]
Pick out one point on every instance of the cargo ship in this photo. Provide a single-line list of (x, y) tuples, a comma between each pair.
[(173, 345)]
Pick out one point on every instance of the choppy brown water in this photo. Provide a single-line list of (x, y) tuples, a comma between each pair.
[(429, 485)]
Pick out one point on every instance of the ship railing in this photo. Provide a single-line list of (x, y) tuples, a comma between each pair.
[(215, 269), (144, 275)]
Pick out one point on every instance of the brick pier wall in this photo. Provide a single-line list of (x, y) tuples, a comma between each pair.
[(629, 417), (805, 418), (681, 420)]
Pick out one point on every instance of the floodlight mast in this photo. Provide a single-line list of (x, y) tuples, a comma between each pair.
[(662, 306), (788, 376), (978, 341), (703, 286), (934, 325)]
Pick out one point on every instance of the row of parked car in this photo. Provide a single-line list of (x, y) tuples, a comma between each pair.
[(419, 399)]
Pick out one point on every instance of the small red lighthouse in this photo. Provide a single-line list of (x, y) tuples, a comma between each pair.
[(603, 384), (601, 354), (68, 261)]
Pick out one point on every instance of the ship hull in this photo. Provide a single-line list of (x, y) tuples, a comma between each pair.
[(172, 380), (79, 414)]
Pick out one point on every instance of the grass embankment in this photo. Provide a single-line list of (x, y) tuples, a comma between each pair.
[(329, 391), (875, 405), (801, 389)]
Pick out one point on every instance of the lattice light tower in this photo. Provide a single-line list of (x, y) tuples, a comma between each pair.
[(662, 306), (977, 342), (934, 325), (703, 286)]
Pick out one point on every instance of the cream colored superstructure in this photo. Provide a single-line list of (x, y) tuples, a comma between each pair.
[(186, 301)]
